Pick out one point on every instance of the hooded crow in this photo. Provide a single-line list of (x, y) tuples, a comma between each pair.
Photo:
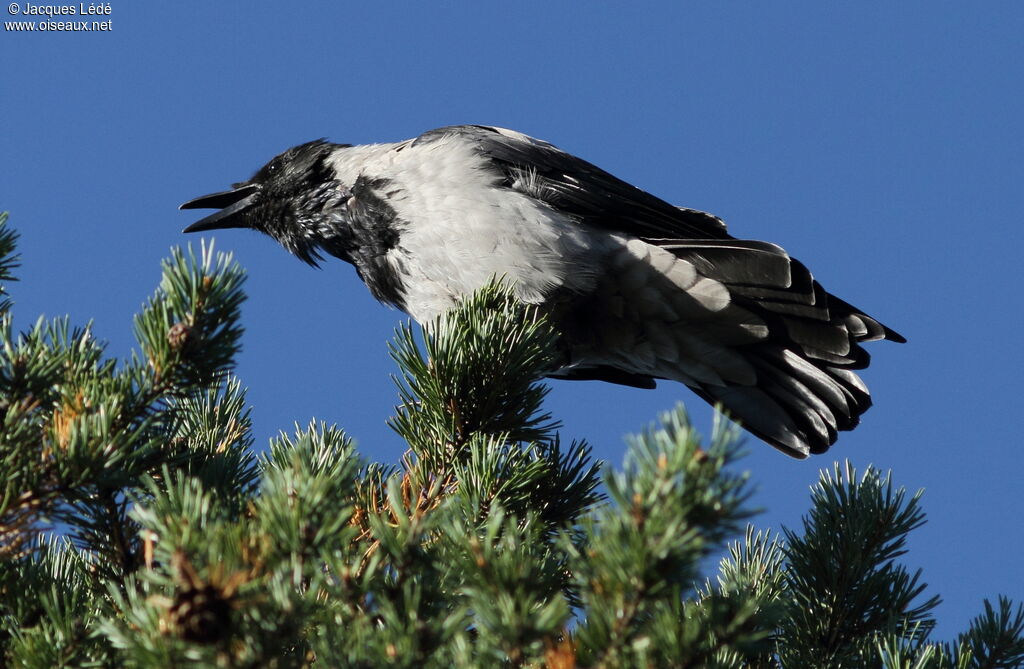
[(639, 289)]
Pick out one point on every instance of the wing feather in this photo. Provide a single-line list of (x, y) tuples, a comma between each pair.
[(744, 324), (579, 188)]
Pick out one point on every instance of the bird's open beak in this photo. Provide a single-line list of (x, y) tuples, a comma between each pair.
[(231, 204)]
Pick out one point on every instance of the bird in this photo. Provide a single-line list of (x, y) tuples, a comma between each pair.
[(639, 290)]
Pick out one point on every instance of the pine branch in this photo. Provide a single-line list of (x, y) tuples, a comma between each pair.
[(995, 639), (749, 596), (674, 503), (189, 331), (79, 432), (511, 579), (51, 608), (9, 261), (846, 588), (476, 374)]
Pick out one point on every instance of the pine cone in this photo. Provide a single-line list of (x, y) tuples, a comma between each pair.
[(201, 610), (201, 614)]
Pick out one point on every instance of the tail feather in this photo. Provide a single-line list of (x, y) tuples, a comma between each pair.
[(796, 405), (805, 391)]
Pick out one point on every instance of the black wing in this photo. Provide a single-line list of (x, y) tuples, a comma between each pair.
[(580, 189), (755, 272)]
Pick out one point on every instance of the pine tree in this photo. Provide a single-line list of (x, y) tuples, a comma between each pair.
[(140, 527)]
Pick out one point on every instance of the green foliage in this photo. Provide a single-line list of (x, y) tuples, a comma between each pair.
[(474, 376), (81, 432), (189, 331), (491, 544), (8, 260), (51, 608), (864, 523), (996, 637)]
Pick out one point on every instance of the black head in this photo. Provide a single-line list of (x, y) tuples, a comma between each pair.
[(288, 198)]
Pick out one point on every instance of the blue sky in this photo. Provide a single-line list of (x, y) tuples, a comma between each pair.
[(879, 143)]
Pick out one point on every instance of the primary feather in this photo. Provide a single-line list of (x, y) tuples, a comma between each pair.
[(639, 289)]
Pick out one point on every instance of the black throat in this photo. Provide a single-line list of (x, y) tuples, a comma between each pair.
[(369, 230)]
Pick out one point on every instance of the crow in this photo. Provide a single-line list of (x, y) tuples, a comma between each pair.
[(637, 288)]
